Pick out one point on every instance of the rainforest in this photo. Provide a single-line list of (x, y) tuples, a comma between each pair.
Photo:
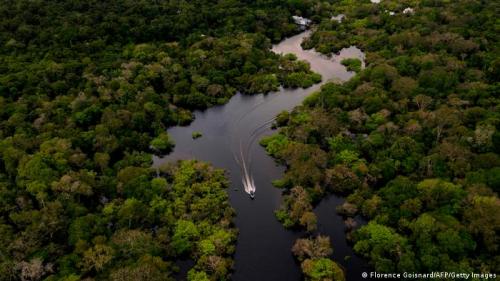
[(275, 140)]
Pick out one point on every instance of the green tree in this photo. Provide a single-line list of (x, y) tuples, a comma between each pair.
[(184, 234), (162, 143), (322, 269)]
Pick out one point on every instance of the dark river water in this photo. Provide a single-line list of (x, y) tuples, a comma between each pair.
[(230, 139)]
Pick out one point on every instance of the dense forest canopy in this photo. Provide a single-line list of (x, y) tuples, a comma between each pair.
[(412, 141), (87, 91)]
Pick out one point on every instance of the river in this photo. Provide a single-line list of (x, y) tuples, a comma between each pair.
[(231, 134)]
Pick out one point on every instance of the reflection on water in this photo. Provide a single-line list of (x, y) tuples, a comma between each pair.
[(230, 141)]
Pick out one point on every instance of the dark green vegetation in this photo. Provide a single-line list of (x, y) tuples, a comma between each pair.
[(413, 141), (137, 227), (87, 90), (196, 135), (352, 64), (313, 253)]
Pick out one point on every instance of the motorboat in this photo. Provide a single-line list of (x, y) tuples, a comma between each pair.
[(252, 194)]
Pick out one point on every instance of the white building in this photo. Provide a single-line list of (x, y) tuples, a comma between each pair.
[(408, 11), (303, 22)]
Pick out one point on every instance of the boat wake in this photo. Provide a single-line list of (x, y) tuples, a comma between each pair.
[(247, 179), (243, 156)]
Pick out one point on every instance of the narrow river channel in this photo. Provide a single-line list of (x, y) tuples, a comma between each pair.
[(231, 135)]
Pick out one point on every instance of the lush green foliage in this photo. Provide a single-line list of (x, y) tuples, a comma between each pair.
[(87, 91), (413, 140), (352, 64), (297, 210), (196, 135), (74, 229), (162, 143), (313, 255)]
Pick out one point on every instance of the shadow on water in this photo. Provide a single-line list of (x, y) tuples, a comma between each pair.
[(230, 139), (332, 224)]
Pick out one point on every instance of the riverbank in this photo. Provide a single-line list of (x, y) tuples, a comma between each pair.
[(264, 247)]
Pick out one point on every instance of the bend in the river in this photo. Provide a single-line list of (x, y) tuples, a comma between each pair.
[(230, 141)]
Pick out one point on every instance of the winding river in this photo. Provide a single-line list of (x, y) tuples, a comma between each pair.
[(231, 135)]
